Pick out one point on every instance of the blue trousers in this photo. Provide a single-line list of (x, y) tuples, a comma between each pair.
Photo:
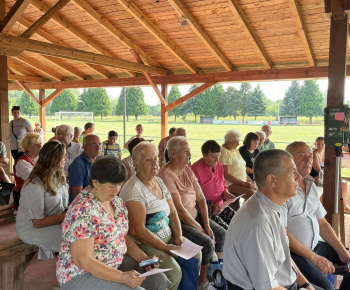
[(314, 275)]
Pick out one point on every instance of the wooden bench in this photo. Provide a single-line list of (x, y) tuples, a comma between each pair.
[(6, 213), (14, 258)]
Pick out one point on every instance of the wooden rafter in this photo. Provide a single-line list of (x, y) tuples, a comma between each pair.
[(15, 77), (243, 21), (202, 34), (302, 31), (52, 96), (9, 42), (190, 95), (157, 33), (67, 68), (45, 18), (114, 32), (19, 69), (13, 15)]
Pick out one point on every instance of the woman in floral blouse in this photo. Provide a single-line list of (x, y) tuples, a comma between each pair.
[(95, 238)]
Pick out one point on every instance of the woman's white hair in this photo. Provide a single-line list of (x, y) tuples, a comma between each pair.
[(261, 134), (138, 152), (175, 144), (65, 129), (232, 135)]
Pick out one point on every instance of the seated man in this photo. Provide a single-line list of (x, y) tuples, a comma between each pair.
[(178, 132), (306, 225), (268, 144), (110, 147), (79, 170), (256, 247), (162, 146)]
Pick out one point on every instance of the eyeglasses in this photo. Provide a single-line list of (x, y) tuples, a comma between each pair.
[(95, 144)]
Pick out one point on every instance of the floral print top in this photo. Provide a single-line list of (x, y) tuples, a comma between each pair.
[(87, 218)]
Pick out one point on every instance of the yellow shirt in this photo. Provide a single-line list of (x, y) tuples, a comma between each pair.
[(237, 164)]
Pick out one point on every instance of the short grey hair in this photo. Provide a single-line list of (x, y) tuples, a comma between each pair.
[(138, 152), (78, 129), (232, 135), (290, 147), (66, 129), (268, 162), (261, 134), (175, 144)]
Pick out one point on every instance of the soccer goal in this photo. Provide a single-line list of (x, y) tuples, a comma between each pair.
[(73, 117)]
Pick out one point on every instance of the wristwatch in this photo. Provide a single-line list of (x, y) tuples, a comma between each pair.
[(307, 284)]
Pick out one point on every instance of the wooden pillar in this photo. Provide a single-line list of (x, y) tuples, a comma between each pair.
[(335, 96), (163, 113), (4, 100), (42, 115)]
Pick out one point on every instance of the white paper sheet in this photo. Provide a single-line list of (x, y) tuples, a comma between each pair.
[(227, 202), (188, 250), (154, 271)]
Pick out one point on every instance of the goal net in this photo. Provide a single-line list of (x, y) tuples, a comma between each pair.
[(73, 118)]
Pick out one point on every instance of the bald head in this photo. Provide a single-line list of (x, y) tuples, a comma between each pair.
[(180, 132)]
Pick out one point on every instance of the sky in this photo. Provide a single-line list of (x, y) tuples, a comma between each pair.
[(273, 90)]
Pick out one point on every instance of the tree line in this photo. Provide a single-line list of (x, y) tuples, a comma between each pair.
[(304, 99)]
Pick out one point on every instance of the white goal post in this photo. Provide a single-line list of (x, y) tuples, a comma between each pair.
[(63, 117)]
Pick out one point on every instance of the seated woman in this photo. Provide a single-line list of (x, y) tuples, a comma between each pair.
[(127, 161), (318, 158), (237, 180), (95, 237), (262, 138), (44, 199), (153, 219), (191, 205), (31, 145), (249, 150), (210, 175)]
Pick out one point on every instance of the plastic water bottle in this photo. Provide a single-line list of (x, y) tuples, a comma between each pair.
[(320, 178)]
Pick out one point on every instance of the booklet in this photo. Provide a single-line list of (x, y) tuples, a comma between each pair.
[(154, 271), (227, 202), (188, 250)]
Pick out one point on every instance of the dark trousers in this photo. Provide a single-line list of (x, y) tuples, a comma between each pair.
[(231, 286), (15, 154)]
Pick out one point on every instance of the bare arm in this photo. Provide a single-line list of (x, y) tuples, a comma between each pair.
[(4, 160), (48, 221), (76, 190), (315, 161), (229, 177), (174, 223), (29, 129), (249, 170)]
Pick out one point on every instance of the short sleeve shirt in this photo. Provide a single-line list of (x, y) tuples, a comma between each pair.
[(72, 152), (19, 129), (86, 218), (267, 145), (303, 212), (157, 210), (211, 182), (2, 149), (185, 190), (111, 150), (237, 165), (256, 248)]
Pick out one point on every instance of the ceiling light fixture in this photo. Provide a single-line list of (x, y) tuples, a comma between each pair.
[(182, 20)]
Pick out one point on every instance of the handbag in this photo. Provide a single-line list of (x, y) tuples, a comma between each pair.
[(189, 270)]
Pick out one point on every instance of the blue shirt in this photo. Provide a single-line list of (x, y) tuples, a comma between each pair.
[(79, 173)]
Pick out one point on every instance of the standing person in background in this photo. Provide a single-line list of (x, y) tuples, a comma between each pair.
[(89, 129), (18, 129), (110, 147), (3, 162), (139, 132), (39, 130), (162, 146), (268, 144), (77, 134)]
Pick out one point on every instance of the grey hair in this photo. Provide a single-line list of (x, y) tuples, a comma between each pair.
[(261, 133), (232, 135), (78, 129), (290, 147), (138, 152), (268, 162), (175, 144), (66, 129)]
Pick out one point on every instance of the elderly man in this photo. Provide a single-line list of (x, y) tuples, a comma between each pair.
[(79, 170), (267, 144), (306, 224), (64, 134), (162, 146), (256, 247), (110, 147), (178, 132)]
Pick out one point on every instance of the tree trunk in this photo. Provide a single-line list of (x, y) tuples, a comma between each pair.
[(255, 118), (243, 118), (310, 120), (195, 118), (175, 118), (101, 117), (127, 118), (135, 118)]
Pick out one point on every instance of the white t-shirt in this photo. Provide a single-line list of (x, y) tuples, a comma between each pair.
[(20, 130)]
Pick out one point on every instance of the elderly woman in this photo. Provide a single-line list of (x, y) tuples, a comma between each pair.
[(44, 199), (191, 205), (262, 138), (95, 237), (77, 134), (210, 175), (249, 150), (237, 180), (31, 145), (64, 134), (153, 219), (127, 161)]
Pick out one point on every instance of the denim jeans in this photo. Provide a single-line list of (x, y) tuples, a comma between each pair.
[(314, 275)]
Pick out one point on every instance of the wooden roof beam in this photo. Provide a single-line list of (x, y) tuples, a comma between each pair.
[(15, 77), (190, 95), (158, 34), (20, 69), (204, 37), (9, 42), (45, 18), (13, 15), (243, 21), (302, 31), (114, 32), (52, 96)]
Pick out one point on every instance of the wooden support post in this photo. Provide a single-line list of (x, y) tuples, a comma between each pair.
[(335, 98), (4, 100), (42, 115), (164, 113)]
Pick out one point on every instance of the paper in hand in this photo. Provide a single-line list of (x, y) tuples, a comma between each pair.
[(229, 201), (188, 250), (154, 271)]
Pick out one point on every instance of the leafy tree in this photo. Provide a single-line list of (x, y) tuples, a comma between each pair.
[(65, 102), (218, 93), (155, 110), (273, 108), (190, 106), (135, 103), (28, 106), (96, 100), (311, 100), (208, 102), (175, 94), (258, 103), (245, 93), (231, 102), (291, 101)]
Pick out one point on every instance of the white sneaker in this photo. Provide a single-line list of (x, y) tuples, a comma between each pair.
[(206, 286)]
